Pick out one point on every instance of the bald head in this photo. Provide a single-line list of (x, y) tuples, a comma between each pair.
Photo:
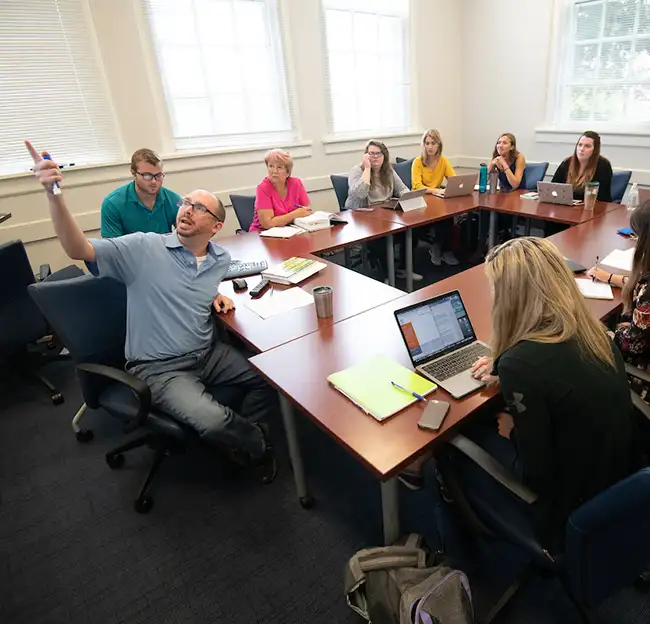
[(210, 201)]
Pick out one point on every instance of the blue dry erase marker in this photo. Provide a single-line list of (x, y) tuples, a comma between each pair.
[(415, 394), (56, 189)]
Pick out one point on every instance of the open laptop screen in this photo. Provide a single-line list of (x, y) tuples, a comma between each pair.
[(433, 327)]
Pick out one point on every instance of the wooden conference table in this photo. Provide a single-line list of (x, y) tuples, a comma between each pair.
[(305, 352)]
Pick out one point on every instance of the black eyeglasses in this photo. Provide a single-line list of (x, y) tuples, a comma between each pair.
[(200, 208), (375, 154), (152, 176)]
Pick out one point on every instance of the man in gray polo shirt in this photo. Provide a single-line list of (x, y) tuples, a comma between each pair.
[(172, 281)]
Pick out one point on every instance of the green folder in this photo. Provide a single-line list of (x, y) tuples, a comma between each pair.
[(368, 385)]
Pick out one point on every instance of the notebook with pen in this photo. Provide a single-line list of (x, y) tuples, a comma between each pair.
[(368, 385)]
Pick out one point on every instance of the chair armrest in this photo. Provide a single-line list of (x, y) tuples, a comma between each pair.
[(240, 231), (44, 271), (640, 404), (496, 470), (139, 387), (630, 369)]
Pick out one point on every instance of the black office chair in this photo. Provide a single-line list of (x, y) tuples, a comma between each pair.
[(340, 184), (244, 206), (398, 159), (21, 323), (607, 545), (89, 314)]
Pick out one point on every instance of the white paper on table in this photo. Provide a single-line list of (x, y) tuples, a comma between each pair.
[(619, 259), (276, 302), (280, 232), (594, 290)]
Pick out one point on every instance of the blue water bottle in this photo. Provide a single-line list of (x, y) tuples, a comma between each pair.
[(483, 178)]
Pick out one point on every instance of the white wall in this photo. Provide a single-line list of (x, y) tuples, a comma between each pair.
[(139, 107), (507, 58)]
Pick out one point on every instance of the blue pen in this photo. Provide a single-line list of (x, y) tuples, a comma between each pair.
[(56, 189), (415, 394)]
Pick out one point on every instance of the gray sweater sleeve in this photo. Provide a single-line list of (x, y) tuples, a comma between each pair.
[(357, 189), (398, 186)]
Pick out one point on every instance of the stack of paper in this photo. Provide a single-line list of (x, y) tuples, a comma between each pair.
[(368, 385), (279, 302), (619, 259), (293, 271), (594, 290), (280, 232)]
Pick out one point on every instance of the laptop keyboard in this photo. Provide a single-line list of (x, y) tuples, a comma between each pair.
[(456, 362)]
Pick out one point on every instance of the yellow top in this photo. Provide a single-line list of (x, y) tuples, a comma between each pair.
[(422, 176)]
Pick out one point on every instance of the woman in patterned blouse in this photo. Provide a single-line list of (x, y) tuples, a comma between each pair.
[(632, 334)]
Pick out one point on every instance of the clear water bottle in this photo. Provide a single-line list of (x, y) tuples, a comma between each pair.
[(483, 178), (633, 197)]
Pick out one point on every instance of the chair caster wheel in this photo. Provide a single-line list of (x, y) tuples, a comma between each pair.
[(143, 504), (307, 502), (84, 435), (115, 461), (57, 398)]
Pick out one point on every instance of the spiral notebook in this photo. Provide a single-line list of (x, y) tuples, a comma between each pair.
[(368, 386)]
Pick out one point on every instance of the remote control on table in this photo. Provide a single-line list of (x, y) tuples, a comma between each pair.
[(259, 289)]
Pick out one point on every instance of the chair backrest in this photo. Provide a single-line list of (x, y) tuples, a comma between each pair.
[(399, 159), (21, 322), (340, 184), (533, 173), (620, 180), (16, 272), (244, 206), (89, 315), (403, 170), (608, 539)]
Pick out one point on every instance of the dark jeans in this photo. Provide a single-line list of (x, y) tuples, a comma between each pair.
[(183, 387)]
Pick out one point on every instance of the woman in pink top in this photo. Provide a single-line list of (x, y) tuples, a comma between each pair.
[(280, 198)]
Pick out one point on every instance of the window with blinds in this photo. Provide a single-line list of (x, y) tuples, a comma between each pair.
[(52, 88), (605, 70), (368, 77), (223, 71)]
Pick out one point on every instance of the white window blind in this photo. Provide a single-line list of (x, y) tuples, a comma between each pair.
[(605, 70), (223, 71), (51, 86), (368, 78)]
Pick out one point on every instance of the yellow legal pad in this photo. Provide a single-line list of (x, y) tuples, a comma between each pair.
[(368, 386)]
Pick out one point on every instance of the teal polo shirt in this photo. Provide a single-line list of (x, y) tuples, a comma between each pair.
[(124, 213)]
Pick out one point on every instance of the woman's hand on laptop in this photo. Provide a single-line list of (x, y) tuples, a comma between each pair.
[(482, 370)]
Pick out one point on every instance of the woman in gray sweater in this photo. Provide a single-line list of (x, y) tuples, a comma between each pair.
[(372, 182)]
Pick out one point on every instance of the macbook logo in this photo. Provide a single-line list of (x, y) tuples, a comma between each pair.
[(461, 185), (554, 193)]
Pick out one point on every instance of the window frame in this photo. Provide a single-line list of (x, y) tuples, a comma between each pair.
[(560, 63), (353, 138), (233, 142)]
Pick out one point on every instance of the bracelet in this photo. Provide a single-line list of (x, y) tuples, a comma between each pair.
[(609, 281)]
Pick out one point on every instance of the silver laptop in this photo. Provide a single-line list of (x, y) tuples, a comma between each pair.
[(644, 195), (441, 342), (409, 200), (457, 186), (554, 193)]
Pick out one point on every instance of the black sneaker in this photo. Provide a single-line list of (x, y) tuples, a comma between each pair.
[(265, 467), (412, 480)]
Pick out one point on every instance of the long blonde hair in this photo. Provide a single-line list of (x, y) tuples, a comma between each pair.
[(536, 298), (434, 135)]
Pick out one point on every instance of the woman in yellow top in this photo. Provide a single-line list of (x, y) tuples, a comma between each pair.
[(429, 171)]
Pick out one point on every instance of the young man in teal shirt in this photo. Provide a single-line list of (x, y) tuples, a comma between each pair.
[(143, 205)]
